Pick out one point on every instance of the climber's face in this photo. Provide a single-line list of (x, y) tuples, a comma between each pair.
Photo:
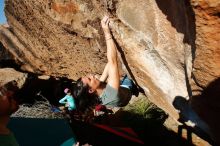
[(92, 82)]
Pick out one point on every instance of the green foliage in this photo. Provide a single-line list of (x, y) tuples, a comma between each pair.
[(145, 109)]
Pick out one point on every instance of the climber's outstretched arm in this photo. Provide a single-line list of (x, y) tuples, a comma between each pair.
[(104, 75), (112, 68)]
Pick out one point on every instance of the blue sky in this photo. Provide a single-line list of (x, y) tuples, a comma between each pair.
[(2, 15)]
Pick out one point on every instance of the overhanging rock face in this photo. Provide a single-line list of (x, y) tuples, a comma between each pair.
[(156, 39)]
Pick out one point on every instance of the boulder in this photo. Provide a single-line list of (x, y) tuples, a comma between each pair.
[(170, 48)]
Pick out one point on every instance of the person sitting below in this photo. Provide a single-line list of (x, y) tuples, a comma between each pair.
[(8, 105), (68, 101), (111, 93)]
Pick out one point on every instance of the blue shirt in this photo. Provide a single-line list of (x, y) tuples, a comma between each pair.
[(70, 101), (69, 142)]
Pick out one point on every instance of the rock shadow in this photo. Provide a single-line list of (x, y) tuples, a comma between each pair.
[(182, 18), (207, 106), (191, 121)]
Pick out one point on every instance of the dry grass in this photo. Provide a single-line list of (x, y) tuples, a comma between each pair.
[(40, 109)]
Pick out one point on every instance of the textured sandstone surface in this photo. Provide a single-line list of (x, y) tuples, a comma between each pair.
[(9, 74), (161, 43), (207, 57), (206, 66)]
